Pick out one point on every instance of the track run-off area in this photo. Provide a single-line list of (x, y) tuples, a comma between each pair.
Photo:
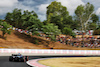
[(42, 54)]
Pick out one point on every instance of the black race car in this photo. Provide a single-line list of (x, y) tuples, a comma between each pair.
[(18, 58)]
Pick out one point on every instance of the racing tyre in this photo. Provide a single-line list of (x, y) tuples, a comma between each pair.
[(16, 59), (10, 58), (22, 60)]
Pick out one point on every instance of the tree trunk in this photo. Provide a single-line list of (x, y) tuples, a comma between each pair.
[(82, 33), (3, 33)]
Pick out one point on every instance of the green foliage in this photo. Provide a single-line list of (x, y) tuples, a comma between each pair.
[(26, 20), (35, 27), (32, 22), (96, 32), (36, 42), (51, 29), (29, 19), (14, 18), (75, 25), (67, 30), (5, 28), (35, 33), (79, 11), (84, 14), (73, 34), (53, 38), (95, 18), (92, 26), (57, 14), (45, 22), (22, 20)]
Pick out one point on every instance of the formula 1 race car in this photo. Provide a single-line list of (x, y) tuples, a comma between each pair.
[(18, 58)]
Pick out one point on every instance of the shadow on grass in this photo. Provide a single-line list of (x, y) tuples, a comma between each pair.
[(2, 37), (31, 39)]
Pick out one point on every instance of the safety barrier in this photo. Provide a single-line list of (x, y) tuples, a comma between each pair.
[(50, 52)]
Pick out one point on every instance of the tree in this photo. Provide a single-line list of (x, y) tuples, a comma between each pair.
[(84, 14), (95, 18), (5, 27), (14, 18), (30, 19), (92, 26), (51, 29), (35, 28), (68, 31), (57, 14), (23, 20), (76, 23), (96, 32), (45, 22), (9, 18), (31, 22)]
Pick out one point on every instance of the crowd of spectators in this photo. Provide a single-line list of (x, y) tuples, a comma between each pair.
[(89, 42)]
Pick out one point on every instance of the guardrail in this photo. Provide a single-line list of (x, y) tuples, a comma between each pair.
[(49, 52)]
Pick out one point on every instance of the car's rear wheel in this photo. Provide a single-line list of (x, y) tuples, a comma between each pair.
[(22, 60), (16, 59), (10, 58)]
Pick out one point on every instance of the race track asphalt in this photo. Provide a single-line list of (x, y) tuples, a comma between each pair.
[(4, 61)]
